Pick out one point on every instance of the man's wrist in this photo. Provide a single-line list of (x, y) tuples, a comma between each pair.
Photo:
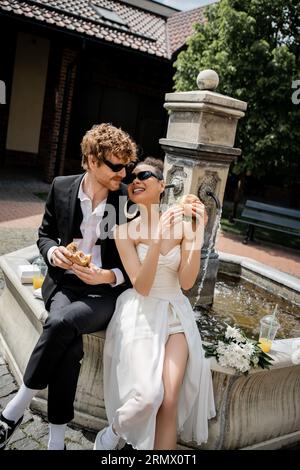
[(50, 254), (108, 276)]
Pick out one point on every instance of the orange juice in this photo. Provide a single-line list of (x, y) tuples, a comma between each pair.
[(265, 344), (37, 281)]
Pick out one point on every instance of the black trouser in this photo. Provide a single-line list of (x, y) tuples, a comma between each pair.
[(55, 360)]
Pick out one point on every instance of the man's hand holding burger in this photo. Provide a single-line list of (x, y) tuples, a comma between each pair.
[(60, 259), (93, 275)]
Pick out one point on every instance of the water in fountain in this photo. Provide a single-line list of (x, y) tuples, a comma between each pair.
[(241, 303), (212, 237)]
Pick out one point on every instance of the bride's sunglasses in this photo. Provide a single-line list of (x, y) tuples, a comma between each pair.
[(116, 167), (142, 176)]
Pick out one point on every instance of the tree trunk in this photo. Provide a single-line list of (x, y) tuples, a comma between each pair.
[(237, 196)]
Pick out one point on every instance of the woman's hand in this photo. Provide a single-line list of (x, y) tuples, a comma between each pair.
[(168, 221), (93, 275), (199, 213), (194, 232)]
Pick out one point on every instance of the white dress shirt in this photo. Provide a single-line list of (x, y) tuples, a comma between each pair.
[(89, 228)]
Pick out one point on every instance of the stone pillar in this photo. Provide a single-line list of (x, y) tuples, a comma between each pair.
[(199, 148)]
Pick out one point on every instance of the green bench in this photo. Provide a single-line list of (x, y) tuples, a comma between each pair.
[(267, 216)]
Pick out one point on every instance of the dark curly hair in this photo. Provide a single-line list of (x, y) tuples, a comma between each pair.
[(157, 165), (105, 139)]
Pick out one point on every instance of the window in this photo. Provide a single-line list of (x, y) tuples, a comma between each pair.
[(108, 15)]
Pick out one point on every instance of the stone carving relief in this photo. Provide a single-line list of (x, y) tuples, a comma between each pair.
[(175, 176), (208, 183)]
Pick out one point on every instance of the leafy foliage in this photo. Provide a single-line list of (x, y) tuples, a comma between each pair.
[(254, 45)]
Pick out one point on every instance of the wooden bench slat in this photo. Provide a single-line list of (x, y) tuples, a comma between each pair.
[(271, 219), (294, 213), (277, 229)]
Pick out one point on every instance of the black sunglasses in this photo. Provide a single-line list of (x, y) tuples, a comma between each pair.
[(142, 176), (116, 167)]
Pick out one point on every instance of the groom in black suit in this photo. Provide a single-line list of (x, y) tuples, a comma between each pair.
[(82, 208)]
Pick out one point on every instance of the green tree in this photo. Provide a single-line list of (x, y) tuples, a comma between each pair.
[(254, 45)]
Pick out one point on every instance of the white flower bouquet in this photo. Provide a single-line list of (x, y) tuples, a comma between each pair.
[(234, 349)]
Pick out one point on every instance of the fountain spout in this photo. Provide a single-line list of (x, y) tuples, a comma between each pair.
[(177, 185), (215, 198)]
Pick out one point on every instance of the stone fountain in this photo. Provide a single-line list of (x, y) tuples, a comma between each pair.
[(199, 149), (258, 411)]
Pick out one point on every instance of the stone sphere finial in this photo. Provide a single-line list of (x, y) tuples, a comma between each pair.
[(208, 80)]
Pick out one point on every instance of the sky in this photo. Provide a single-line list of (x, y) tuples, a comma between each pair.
[(186, 4)]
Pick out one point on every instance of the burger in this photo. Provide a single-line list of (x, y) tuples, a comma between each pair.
[(186, 202), (77, 256)]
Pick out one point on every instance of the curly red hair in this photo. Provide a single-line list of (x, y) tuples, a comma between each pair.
[(103, 140)]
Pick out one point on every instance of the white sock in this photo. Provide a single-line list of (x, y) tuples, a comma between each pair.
[(16, 407), (109, 438), (56, 436)]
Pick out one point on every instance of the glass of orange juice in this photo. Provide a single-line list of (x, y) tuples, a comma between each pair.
[(39, 276), (37, 280), (268, 329), (265, 344)]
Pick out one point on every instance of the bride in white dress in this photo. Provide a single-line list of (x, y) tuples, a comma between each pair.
[(157, 383)]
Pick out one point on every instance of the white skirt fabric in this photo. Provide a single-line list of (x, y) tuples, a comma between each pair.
[(134, 356)]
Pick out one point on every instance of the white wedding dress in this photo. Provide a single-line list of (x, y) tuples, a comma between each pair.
[(134, 355)]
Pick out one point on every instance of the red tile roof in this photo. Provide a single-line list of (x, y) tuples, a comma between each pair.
[(142, 30), (180, 27)]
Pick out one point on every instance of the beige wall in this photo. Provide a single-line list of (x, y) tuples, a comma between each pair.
[(28, 90)]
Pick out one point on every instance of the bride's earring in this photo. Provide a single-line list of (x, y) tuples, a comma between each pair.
[(127, 214)]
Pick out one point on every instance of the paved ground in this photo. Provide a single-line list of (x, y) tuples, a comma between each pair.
[(284, 259), (21, 209), (33, 433)]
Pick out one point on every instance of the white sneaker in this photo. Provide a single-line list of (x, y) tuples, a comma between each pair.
[(98, 445)]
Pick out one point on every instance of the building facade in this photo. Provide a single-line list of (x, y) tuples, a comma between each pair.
[(67, 65)]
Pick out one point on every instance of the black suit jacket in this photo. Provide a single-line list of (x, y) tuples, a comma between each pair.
[(57, 229)]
